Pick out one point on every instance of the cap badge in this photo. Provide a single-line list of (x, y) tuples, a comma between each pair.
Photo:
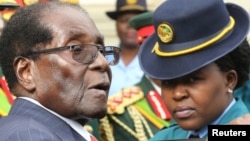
[(165, 33), (29, 2), (130, 2)]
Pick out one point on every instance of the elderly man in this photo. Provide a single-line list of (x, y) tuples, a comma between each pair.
[(53, 58)]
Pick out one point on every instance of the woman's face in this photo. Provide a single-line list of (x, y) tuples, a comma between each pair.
[(197, 99)]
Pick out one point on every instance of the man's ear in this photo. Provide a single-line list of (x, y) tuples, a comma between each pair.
[(232, 79), (22, 67)]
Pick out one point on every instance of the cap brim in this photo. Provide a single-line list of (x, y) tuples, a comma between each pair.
[(8, 6), (114, 14), (166, 68)]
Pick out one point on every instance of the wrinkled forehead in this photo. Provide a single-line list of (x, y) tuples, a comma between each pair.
[(65, 20)]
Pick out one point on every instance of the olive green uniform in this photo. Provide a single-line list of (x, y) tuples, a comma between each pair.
[(135, 121)]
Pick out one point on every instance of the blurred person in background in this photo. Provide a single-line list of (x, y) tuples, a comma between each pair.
[(7, 8), (127, 72)]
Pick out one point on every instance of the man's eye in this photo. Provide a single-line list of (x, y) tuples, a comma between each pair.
[(123, 20), (77, 49), (101, 51)]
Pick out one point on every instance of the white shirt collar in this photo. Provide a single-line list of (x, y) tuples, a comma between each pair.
[(157, 88)]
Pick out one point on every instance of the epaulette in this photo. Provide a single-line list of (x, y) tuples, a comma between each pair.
[(89, 128), (4, 104), (126, 97)]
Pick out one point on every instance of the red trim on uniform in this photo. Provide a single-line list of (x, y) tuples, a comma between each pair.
[(5, 88), (144, 32), (157, 105)]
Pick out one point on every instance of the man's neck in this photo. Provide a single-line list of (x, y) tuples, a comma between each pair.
[(128, 54)]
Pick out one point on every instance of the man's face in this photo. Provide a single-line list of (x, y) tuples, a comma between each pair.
[(70, 88), (127, 35)]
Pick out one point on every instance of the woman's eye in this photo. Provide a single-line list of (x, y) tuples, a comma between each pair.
[(192, 79), (165, 83)]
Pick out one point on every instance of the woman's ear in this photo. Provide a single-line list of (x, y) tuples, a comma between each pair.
[(22, 67), (232, 79)]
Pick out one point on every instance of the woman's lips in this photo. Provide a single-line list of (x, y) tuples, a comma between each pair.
[(183, 112)]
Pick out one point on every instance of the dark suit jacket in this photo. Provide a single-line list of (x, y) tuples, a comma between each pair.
[(29, 122)]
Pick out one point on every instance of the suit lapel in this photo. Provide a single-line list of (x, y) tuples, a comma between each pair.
[(29, 110)]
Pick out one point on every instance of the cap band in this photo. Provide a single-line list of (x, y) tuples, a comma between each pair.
[(132, 7)]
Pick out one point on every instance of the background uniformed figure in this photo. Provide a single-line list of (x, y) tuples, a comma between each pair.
[(127, 72)]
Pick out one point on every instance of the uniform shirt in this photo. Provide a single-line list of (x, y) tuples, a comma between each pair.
[(243, 93), (203, 132), (125, 76), (73, 124), (236, 109)]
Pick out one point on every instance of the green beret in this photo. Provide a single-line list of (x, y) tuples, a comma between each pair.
[(141, 20), (1, 72)]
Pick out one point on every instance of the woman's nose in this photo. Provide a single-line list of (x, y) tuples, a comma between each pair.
[(180, 92)]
